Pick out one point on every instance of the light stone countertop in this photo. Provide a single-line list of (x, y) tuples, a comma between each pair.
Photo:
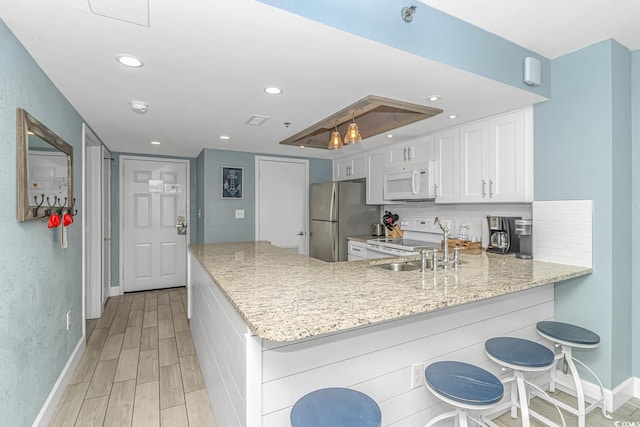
[(283, 296)]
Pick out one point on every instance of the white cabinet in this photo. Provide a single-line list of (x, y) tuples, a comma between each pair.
[(408, 155), (488, 161), (510, 168), (474, 162), (375, 179), (352, 167), (356, 250), (447, 177)]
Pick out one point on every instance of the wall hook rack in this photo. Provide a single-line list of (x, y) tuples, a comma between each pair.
[(55, 208)]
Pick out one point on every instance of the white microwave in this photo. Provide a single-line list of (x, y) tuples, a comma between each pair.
[(417, 184)]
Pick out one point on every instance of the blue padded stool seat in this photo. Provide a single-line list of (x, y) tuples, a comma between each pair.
[(519, 352), (464, 383), (567, 333), (567, 337), (335, 407), (464, 386), (522, 356)]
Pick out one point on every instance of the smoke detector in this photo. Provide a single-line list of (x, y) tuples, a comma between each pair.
[(139, 107)]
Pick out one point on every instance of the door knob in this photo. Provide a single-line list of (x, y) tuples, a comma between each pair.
[(301, 233)]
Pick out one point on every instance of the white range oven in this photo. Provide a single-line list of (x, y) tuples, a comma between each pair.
[(419, 232)]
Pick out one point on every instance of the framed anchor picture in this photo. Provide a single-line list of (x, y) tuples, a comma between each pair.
[(232, 182)]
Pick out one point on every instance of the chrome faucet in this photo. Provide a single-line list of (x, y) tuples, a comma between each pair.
[(445, 230)]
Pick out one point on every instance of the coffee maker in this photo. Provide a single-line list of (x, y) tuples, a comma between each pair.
[(502, 234)]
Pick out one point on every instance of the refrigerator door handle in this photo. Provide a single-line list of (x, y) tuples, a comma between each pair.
[(332, 212)]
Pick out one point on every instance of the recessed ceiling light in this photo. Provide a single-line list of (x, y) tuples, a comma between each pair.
[(390, 136), (139, 107), (272, 90), (302, 146), (129, 61), (156, 142), (453, 116), (434, 98), (225, 137)]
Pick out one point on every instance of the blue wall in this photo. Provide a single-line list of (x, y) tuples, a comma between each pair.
[(218, 216), (582, 150), (432, 34), (40, 282)]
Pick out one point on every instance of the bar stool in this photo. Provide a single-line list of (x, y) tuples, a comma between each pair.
[(465, 386), (335, 407), (522, 356), (567, 337)]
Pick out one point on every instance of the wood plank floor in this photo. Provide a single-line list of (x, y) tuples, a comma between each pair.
[(629, 412), (139, 368)]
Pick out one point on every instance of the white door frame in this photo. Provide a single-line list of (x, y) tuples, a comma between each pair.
[(257, 196), (121, 211), (106, 220), (92, 232)]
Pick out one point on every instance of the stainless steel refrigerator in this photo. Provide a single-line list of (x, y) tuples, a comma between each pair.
[(338, 210)]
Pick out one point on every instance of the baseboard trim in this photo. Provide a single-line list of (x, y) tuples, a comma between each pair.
[(46, 412), (613, 399), (114, 291)]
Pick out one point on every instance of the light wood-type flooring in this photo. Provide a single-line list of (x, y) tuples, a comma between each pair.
[(139, 368), (627, 413)]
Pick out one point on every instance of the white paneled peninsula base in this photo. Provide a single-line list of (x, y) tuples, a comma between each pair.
[(270, 325)]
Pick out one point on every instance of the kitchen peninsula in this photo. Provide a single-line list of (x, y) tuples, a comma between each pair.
[(270, 325)]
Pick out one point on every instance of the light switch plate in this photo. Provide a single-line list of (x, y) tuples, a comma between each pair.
[(239, 213)]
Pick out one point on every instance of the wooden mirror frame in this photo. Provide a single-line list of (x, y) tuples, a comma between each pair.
[(27, 209)]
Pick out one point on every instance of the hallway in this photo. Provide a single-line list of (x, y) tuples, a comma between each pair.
[(139, 368)]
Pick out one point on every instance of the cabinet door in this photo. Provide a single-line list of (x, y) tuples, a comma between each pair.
[(375, 178), (421, 151), (474, 162), (397, 156), (342, 168), (447, 166), (358, 167), (507, 159)]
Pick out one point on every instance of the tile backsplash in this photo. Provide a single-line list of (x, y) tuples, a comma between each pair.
[(562, 231)]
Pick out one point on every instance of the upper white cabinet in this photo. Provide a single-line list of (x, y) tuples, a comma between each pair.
[(510, 168), (474, 162), (375, 179), (352, 167), (407, 155), (494, 163), (447, 177)]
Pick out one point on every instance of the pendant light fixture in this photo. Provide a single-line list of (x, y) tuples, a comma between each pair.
[(336, 141), (353, 134)]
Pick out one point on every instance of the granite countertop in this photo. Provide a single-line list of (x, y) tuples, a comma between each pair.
[(283, 296)]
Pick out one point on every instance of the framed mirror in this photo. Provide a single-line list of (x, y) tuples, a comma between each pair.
[(45, 170)]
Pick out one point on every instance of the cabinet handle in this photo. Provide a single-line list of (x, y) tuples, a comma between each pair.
[(490, 189), (435, 189), (484, 184), (405, 153), (410, 153)]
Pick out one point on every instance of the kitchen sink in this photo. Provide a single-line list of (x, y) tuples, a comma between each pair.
[(399, 266)]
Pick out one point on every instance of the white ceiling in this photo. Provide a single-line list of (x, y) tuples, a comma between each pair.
[(206, 63)]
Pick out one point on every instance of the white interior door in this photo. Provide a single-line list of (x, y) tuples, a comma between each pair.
[(154, 201), (282, 202), (106, 224)]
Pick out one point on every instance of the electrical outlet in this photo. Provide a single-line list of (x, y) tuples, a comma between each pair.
[(239, 213), (416, 375), (68, 319)]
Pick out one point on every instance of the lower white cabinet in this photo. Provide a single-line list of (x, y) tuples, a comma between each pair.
[(356, 251)]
